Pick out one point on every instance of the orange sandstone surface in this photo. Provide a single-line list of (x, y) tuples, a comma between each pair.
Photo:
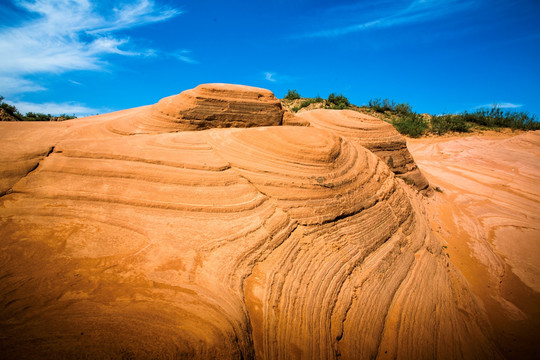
[(488, 217), (204, 227)]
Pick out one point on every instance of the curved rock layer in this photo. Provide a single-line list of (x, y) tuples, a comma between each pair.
[(204, 107), (272, 242), (376, 135), (134, 245), (313, 175)]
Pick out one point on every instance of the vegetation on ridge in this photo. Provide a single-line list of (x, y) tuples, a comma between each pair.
[(334, 101), (407, 122), (10, 113), (292, 95), (410, 123)]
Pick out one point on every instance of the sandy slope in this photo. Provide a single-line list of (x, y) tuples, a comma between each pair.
[(125, 236), (488, 214)]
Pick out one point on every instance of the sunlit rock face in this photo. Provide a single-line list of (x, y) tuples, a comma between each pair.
[(378, 136), (204, 107), (269, 242)]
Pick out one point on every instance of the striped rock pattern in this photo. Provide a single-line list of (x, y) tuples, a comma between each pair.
[(204, 107), (269, 242), (378, 136)]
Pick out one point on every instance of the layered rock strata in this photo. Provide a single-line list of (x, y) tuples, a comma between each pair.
[(376, 135), (269, 242), (204, 107)]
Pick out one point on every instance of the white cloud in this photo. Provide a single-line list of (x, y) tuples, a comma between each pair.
[(13, 85), (502, 105), (185, 56), (417, 11), (63, 35), (56, 108), (270, 76), (279, 78)]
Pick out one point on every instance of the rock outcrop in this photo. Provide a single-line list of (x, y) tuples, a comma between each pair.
[(204, 107), (272, 242), (376, 135)]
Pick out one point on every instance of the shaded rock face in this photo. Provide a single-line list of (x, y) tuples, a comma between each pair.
[(376, 135), (267, 243), (204, 107)]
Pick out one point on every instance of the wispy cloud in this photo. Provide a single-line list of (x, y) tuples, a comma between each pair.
[(416, 11), (270, 76), (275, 77), (56, 108), (501, 105), (185, 56), (13, 84), (63, 35)]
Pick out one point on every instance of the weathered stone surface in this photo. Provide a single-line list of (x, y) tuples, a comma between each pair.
[(268, 242), (291, 119), (204, 107), (374, 134)]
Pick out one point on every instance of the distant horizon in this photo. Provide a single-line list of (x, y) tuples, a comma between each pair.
[(57, 109), (439, 56)]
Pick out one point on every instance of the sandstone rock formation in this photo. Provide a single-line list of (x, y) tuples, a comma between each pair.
[(378, 136), (272, 242), (204, 107), (488, 214)]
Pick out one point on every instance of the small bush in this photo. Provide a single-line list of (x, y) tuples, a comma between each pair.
[(389, 105), (306, 103), (441, 124), (292, 95), (403, 108), (30, 116), (498, 118), (10, 109), (412, 124), (337, 101)]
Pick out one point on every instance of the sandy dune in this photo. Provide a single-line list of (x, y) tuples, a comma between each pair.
[(128, 235), (488, 215)]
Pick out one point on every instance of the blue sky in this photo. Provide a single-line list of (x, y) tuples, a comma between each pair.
[(441, 56)]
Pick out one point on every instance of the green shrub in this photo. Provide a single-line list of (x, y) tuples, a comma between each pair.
[(441, 124), (64, 117), (496, 117), (306, 103), (389, 105), (10, 109), (337, 101), (381, 105), (412, 124), (403, 108), (30, 116), (292, 95)]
